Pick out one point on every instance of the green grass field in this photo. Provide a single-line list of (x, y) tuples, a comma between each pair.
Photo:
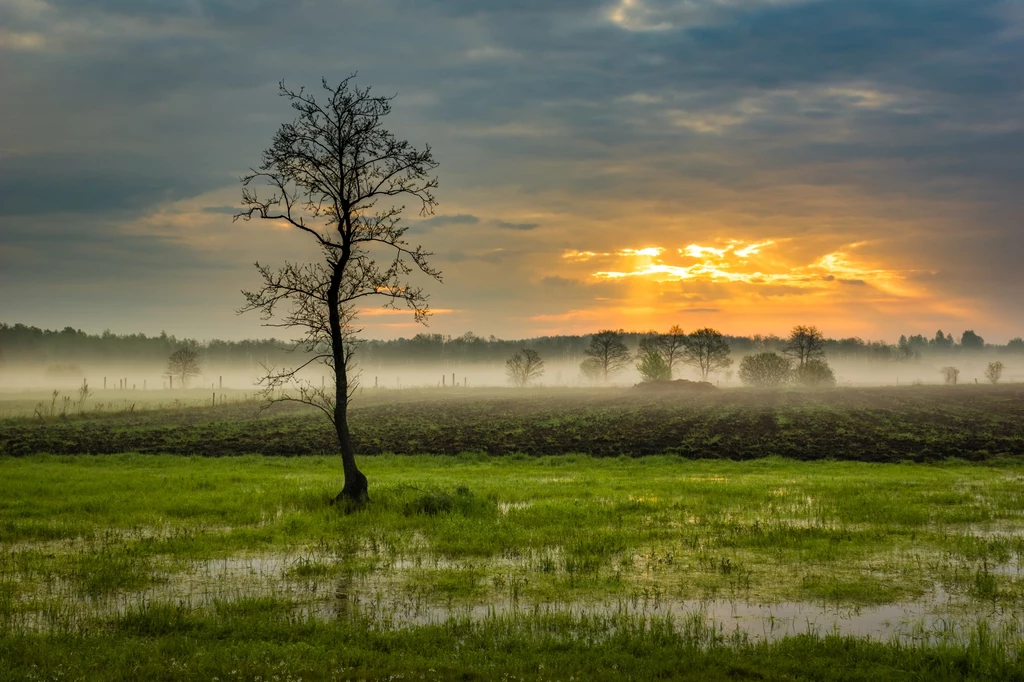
[(571, 567)]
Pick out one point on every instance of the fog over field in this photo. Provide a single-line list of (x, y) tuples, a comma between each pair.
[(33, 359)]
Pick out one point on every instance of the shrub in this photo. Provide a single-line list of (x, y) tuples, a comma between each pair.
[(652, 366), (994, 371), (764, 369), (433, 502), (950, 375), (815, 374)]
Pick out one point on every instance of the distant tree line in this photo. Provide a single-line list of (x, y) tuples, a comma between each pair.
[(800, 361), (23, 343), (470, 348)]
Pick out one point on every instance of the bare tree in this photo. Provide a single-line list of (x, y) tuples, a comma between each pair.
[(805, 343), (766, 368), (994, 371), (606, 355), (669, 346), (183, 365), (524, 367), (707, 350), (950, 375), (336, 175)]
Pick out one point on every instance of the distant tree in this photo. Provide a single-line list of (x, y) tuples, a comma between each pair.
[(707, 350), (815, 374), (941, 341), (804, 344), (766, 368), (971, 341), (917, 343), (606, 355), (183, 365), (905, 351), (880, 351), (767, 342), (994, 371), (950, 375), (669, 346), (523, 367), (652, 366), (1016, 345)]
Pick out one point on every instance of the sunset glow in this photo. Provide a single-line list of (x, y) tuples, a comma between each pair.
[(730, 264), (632, 163)]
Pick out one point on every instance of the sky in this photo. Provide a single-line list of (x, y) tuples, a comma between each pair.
[(747, 165)]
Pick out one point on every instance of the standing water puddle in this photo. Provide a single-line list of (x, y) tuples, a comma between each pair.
[(909, 621), (384, 597)]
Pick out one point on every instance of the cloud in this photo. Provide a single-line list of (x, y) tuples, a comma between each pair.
[(38, 184), (613, 125), (421, 226), (556, 282), (521, 227), (221, 210)]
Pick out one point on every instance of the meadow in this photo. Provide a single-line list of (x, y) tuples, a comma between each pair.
[(569, 556)]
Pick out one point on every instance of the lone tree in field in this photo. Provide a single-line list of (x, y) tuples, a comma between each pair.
[(994, 371), (524, 367), (669, 346), (766, 368), (183, 365), (707, 350), (606, 355), (950, 375), (336, 176), (804, 344)]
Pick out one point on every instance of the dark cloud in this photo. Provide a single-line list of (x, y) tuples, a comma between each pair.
[(442, 220), (62, 183), (55, 249), (521, 227), (558, 282), (115, 108), (427, 224)]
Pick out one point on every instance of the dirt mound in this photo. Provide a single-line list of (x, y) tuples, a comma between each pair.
[(676, 386)]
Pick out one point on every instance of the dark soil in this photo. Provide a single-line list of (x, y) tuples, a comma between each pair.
[(875, 425)]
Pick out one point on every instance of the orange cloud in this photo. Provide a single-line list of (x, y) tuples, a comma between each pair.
[(379, 312), (729, 264)]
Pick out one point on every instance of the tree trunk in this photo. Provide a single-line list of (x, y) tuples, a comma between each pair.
[(356, 488)]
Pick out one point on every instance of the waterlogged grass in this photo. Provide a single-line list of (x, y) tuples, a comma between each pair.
[(226, 567), (769, 529), (263, 640)]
